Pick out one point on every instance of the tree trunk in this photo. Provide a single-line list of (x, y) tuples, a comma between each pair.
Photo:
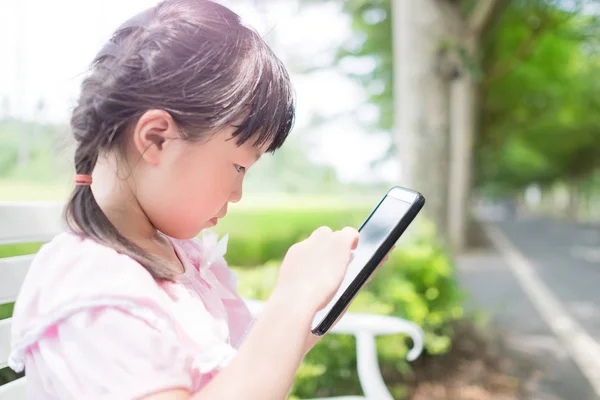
[(421, 102), (463, 111)]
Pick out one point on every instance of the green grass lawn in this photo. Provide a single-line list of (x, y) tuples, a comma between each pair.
[(37, 191)]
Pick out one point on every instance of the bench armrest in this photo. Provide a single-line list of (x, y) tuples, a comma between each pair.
[(366, 327), (374, 325)]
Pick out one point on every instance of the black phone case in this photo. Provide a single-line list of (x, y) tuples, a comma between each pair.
[(368, 269)]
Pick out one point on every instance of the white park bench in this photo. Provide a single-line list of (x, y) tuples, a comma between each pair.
[(39, 222)]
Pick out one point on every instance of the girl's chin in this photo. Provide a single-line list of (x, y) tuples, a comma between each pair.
[(211, 222)]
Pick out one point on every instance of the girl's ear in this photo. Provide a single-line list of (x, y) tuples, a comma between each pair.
[(151, 132)]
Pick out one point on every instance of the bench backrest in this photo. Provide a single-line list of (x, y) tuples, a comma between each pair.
[(21, 223)]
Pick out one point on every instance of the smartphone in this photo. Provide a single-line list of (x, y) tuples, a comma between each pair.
[(377, 235)]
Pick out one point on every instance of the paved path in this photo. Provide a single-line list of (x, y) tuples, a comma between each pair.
[(554, 267)]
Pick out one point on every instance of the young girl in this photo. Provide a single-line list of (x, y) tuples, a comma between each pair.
[(179, 104)]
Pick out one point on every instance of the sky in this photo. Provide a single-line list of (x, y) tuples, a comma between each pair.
[(46, 46)]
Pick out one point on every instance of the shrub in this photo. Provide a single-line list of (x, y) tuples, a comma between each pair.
[(417, 284)]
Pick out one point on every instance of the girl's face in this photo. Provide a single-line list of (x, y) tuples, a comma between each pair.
[(185, 186)]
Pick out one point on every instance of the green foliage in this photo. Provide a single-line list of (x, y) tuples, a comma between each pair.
[(538, 118), (417, 283), (372, 43), (538, 88), (33, 151)]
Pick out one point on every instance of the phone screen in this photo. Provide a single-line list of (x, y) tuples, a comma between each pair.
[(371, 236)]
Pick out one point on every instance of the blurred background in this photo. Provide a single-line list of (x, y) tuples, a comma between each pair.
[(490, 108)]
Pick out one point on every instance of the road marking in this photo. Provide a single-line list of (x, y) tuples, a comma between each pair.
[(584, 350)]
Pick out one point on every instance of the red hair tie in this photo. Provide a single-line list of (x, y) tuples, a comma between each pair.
[(83, 180)]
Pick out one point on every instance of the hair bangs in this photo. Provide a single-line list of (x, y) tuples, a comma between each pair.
[(268, 110)]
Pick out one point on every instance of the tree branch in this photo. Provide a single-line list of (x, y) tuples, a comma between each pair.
[(483, 13)]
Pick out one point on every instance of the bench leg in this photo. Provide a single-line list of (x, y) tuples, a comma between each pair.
[(369, 373)]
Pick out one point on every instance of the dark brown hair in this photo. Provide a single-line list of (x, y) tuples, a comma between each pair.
[(193, 59)]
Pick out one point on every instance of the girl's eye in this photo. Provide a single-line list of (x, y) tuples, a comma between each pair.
[(239, 168)]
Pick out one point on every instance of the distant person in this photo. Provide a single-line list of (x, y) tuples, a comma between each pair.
[(178, 105)]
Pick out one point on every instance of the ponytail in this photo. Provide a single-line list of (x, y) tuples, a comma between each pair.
[(84, 216)]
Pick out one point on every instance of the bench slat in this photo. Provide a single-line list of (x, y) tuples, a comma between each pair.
[(29, 222), (12, 271), (4, 341), (15, 390)]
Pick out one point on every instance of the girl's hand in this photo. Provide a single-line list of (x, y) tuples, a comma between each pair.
[(312, 339), (313, 269)]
